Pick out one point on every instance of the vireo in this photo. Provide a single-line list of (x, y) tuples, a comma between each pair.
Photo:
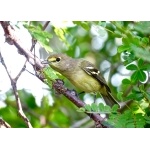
[(82, 74)]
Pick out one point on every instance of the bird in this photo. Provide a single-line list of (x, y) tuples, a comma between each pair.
[(82, 74)]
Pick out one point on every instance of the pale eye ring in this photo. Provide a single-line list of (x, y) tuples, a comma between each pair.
[(58, 59)]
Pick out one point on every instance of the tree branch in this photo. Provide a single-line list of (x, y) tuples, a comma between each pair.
[(14, 87), (11, 39), (4, 124), (46, 24)]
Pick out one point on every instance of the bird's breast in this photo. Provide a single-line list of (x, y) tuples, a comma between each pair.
[(84, 82)]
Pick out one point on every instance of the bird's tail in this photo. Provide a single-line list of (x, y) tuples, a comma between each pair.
[(109, 99)]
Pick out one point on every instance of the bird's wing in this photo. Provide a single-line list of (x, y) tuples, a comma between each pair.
[(90, 69)]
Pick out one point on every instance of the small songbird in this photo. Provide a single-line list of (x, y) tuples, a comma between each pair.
[(82, 74)]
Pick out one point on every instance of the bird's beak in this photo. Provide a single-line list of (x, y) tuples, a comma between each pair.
[(45, 62)]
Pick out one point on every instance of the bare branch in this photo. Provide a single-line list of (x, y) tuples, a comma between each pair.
[(13, 83), (4, 124), (46, 24), (21, 71), (11, 38)]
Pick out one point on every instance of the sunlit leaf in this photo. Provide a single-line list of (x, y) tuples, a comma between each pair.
[(123, 48), (142, 75), (134, 76), (101, 107), (126, 81), (82, 109), (141, 52), (142, 27), (115, 108), (132, 67), (119, 96), (94, 107), (88, 107)]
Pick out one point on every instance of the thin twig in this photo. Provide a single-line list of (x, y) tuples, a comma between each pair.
[(14, 87), (45, 25), (34, 41), (4, 124), (11, 38), (21, 71)]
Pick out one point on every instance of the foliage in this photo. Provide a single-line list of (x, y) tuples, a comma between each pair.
[(41, 36), (45, 115), (100, 108), (50, 75), (117, 48)]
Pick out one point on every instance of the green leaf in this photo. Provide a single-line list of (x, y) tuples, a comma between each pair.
[(138, 75), (125, 41), (117, 34), (107, 109), (141, 75), (123, 48), (115, 108), (130, 96), (50, 75), (145, 67), (145, 40), (140, 121), (101, 107), (142, 53), (142, 27), (83, 24), (129, 57), (141, 87), (140, 63), (45, 103), (102, 23), (147, 118), (82, 109), (132, 67), (62, 33), (28, 99), (148, 96), (41, 36), (136, 41), (88, 107), (134, 77), (94, 107), (136, 89), (139, 96), (119, 96), (46, 46), (126, 81)]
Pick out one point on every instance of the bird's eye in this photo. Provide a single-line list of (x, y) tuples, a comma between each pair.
[(58, 59)]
